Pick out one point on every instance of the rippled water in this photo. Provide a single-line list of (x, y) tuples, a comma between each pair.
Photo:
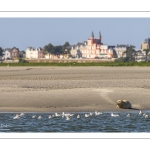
[(95, 123)]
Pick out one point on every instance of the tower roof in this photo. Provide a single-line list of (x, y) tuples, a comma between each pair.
[(100, 34), (92, 35)]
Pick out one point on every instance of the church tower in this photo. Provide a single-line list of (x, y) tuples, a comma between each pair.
[(92, 38), (99, 37)]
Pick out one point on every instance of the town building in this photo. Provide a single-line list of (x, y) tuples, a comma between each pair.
[(120, 50), (145, 44), (92, 48), (6, 54), (34, 53), (14, 53), (140, 56)]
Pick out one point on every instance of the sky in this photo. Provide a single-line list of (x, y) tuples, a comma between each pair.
[(38, 32)]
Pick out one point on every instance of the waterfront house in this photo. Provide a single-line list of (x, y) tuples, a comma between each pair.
[(14, 53), (6, 54), (32, 53)]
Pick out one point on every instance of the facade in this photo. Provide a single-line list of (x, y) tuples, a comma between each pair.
[(34, 53), (40, 53), (6, 54), (92, 48), (140, 56), (145, 44), (14, 53), (106, 51), (120, 50)]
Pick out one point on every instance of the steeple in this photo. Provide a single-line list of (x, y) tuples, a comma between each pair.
[(92, 35), (100, 34)]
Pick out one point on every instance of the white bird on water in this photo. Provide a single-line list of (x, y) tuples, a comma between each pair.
[(57, 115), (91, 114), (33, 116), (39, 117), (128, 115), (16, 117), (49, 116), (97, 113), (146, 116), (87, 115), (78, 116), (22, 114), (140, 113), (67, 118), (71, 115), (114, 115), (66, 115)]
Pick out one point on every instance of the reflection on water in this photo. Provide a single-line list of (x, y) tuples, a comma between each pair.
[(69, 122)]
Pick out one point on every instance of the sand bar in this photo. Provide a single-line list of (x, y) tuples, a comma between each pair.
[(73, 89)]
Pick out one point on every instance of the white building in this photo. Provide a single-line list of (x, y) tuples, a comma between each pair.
[(120, 50), (106, 51), (6, 53), (32, 53), (140, 56)]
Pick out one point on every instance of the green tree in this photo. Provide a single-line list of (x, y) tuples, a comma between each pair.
[(1, 52), (57, 50), (147, 53), (130, 54), (66, 48), (48, 49)]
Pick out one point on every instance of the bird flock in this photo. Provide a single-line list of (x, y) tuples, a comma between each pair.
[(68, 116)]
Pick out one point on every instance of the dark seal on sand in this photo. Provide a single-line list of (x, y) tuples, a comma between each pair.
[(124, 104)]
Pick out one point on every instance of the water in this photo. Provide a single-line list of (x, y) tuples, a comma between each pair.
[(96, 123)]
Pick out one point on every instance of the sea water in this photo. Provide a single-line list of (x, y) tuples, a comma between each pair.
[(104, 122)]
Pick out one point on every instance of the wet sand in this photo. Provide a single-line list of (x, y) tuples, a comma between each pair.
[(72, 89)]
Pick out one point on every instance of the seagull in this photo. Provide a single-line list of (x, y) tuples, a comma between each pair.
[(34, 116), (57, 115), (128, 115), (67, 118), (78, 116), (86, 115), (146, 116), (140, 113), (91, 114), (49, 116), (114, 115), (16, 117), (66, 115), (39, 117), (71, 115), (97, 113), (22, 114)]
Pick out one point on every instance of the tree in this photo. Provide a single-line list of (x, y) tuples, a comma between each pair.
[(48, 49), (1, 52), (57, 50), (130, 54), (147, 53), (66, 48)]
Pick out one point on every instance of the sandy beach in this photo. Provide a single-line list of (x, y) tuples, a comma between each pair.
[(72, 89)]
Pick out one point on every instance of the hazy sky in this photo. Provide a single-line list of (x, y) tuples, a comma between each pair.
[(37, 32)]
